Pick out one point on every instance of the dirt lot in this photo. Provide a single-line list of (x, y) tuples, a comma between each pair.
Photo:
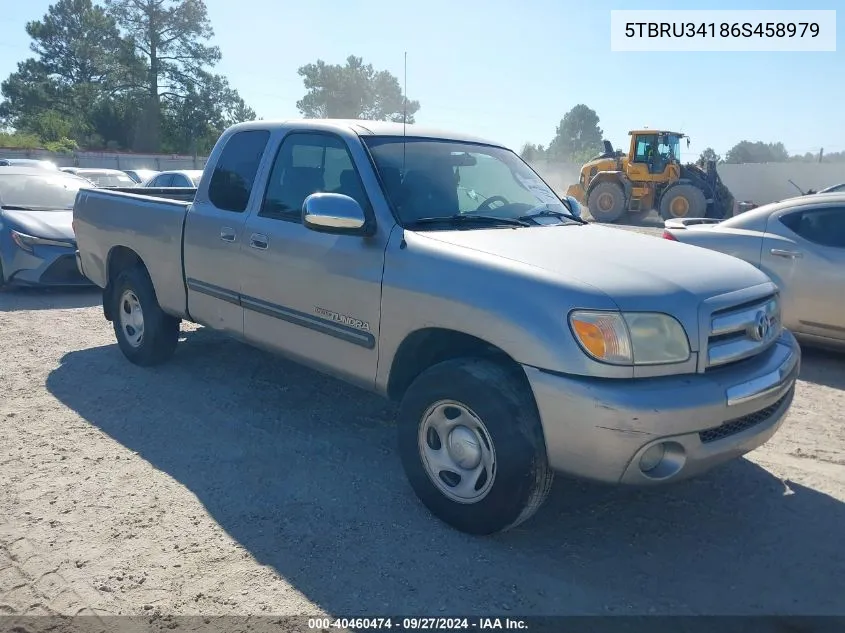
[(232, 482)]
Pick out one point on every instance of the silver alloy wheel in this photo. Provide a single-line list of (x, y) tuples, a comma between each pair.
[(457, 451), (131, 318)]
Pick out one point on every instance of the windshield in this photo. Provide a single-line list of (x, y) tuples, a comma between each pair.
[(108, 180), (669, 147), (48, 192), (449, 178)]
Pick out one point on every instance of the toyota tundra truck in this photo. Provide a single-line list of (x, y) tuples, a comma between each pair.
[(440, 271)]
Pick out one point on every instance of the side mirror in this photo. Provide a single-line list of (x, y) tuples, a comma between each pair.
[(574, 206), (333, 213)]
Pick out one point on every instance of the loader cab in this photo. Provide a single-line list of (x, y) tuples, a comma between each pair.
[(655, 155)]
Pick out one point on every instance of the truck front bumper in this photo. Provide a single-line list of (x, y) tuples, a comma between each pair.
[(657, 430)]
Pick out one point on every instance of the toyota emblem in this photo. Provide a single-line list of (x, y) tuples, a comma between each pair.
[(759, 331)]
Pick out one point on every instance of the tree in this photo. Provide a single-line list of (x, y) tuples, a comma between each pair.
[(707, 155), (757, 152), (353, 91), (169, 35), (531, 152), (81, 59), (578, 137), (197, 119), (102, 88)]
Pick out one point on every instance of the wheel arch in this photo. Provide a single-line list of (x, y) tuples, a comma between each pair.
[(617, 177), (426, 347), (119, 259)]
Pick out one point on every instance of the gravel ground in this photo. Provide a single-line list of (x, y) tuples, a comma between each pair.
[(233, 482)]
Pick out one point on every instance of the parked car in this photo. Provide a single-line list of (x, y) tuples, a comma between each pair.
[(37, 244), (105, 177), (439, 270), (175, 178), (833, 188), (140, 175), (800, 244), (27, 162)]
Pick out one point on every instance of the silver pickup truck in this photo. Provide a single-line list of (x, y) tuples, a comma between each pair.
[(439, 270)]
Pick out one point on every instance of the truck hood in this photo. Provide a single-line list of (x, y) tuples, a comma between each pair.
[(54, 225), (639, 272)]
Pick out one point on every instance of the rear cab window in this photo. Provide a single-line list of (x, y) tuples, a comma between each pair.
[(234, 173)]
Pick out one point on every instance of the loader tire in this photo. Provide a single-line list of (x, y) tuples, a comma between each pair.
[(683, 201), (606, 202)]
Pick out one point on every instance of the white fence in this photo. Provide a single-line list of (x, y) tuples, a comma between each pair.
[(110, 160), (758, 182)]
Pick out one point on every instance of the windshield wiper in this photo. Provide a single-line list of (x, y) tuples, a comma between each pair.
[(548, 213), (469, 218)]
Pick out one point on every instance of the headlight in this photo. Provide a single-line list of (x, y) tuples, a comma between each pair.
[(26, 242), (630, 338)]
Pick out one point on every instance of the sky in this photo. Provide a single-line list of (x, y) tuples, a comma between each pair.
[(509, 71)]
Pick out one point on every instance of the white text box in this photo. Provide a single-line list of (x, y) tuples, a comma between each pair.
[(723, 31)]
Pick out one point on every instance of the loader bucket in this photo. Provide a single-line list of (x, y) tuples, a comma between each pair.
[(577, 192)]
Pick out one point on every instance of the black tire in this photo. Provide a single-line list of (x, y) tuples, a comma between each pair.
[(606, 202), (160, 332), (504, 403), (683, 201)]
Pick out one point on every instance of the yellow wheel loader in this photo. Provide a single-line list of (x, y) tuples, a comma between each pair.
[(651, 176)]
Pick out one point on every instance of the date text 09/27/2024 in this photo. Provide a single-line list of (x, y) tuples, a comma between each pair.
[(417, 624)]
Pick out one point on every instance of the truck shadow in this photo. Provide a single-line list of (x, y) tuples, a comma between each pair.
[(300, 470), (823, 366), (15, 299)]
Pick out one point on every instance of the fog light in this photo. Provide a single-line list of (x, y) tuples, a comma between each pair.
[(652, 457)]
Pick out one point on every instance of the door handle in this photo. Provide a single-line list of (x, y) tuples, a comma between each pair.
[(227, 234), (257, 240), (777, 252)]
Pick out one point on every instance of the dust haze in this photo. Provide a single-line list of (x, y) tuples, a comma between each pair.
[(757, 182)]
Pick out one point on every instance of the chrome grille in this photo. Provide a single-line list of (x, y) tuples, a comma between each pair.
[(742, 331)]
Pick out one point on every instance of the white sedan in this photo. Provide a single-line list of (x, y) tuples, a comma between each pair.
[(800, 244)]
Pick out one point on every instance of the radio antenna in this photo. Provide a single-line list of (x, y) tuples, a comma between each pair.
[(404, 113)]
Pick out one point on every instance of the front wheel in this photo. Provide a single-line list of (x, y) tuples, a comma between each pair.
[(472, 446), (606, 202), (145, 333)]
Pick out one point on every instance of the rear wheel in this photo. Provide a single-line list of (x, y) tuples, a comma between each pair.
[(145, 333), (472, 446), (606, 202), (683, 201)]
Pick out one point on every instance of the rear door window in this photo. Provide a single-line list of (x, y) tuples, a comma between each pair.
[(234, 174)]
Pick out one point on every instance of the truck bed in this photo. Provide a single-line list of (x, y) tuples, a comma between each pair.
[(150, 224)]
